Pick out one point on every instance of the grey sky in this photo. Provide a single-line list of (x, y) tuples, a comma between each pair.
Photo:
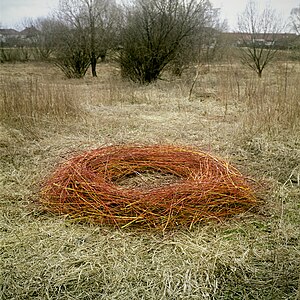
[(231, 8), (12, 12)]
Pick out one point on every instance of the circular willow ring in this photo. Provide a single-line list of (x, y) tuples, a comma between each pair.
[(87, 186)]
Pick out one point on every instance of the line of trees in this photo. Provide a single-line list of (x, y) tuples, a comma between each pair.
[(147, 35), (150, 35)]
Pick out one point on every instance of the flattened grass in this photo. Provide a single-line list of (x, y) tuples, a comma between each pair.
[(48, 258)]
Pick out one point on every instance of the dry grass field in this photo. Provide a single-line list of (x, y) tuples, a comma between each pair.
[(253, 123)]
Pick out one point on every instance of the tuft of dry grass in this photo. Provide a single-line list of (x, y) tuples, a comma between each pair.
[(270, 105), (273, 103), (28, 103)]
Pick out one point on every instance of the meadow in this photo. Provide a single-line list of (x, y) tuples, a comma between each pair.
[(222, 108)]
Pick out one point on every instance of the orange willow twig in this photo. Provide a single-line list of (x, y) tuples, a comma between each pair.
[(86, 187)]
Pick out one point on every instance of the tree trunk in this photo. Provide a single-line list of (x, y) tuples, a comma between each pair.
[(259, 73), (94, 64)]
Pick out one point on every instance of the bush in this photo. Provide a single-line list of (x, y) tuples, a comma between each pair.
[(154, 34), (74, 64)]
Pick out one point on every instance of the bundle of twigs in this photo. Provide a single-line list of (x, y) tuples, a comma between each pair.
[(87, 187)]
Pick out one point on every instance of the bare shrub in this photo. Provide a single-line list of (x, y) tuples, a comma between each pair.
[(259, 34), (156, 32), (94, 22), (74, 64)]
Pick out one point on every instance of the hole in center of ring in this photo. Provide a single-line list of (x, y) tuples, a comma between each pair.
[(146, 179)]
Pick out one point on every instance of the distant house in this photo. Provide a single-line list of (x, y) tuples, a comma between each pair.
[(13, 37), (280, 40), (29, 32), (6, 34)]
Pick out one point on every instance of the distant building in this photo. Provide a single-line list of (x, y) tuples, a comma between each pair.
[(6, 34), (12, 37), (29, 32), (280, 40)]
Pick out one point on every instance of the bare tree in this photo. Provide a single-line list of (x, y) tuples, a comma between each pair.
[(203, 46), (258, 36), (295, 27), (45, 41), (94, 22), (295, 19), (72, 54), (155, 32)]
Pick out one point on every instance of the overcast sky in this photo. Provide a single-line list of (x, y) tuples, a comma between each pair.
[(231, 8), (12, 12)]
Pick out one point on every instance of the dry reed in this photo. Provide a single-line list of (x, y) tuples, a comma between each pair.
[(30, 102), (86, 187)]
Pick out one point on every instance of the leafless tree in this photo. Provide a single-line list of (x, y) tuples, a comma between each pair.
[(155, 32), (295, 19), (201, 47), (46, 39), (72, 54), (259, 32), (94, 22)]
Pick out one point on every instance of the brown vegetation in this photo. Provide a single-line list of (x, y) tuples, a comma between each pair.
[(252, 123)]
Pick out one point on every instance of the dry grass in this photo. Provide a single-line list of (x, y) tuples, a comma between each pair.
[(252, 256), (27, 103), (271, 102)]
